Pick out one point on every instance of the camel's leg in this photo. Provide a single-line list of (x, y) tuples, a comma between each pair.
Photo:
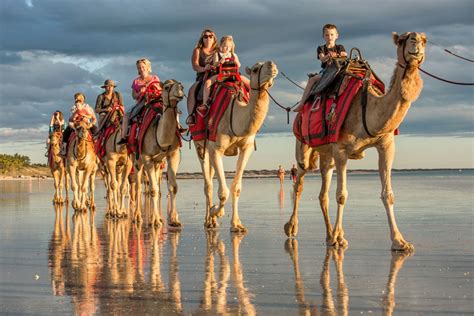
[(149, 167), (341, 197), (137, 216), (111, 168), (56, 177), (61, 183), (173, 163), (326, 167), (302, 155), (84, 187), (236, 187), (92, 188), (386, 153), (207, 173), (124, 185), (66, 183), (74, 186), (216, 156)]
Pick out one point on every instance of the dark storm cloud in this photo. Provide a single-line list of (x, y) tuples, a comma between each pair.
[(51, 49)]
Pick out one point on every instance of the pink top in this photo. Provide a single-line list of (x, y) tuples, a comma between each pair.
[(138, 82)]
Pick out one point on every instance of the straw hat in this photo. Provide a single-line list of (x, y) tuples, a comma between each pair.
[(109, 83)]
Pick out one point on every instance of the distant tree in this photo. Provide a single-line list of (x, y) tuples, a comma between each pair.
[(9, 162)]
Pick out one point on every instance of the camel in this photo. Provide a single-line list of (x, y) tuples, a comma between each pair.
[(118, 164), (57, 167), (81, 161), (236, 132), (161, 141), (384, 115)]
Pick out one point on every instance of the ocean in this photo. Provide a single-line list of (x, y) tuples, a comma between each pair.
[(53, 261)]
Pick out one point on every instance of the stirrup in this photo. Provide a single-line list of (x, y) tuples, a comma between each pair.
[(191, 120)]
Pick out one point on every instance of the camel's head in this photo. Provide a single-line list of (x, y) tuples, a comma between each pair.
[(82, 127), (262, 74), (172, 91), (410, 48)]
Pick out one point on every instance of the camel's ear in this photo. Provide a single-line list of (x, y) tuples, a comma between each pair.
[(395, 37), (248, 71), (161, 85)]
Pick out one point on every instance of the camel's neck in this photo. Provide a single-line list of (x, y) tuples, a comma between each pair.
[(166, 132), (386, 113), (248, 118)]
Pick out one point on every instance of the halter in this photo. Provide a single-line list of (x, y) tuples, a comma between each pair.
[(258, 80)]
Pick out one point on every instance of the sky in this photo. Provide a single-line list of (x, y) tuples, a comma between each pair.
[(50, 50)]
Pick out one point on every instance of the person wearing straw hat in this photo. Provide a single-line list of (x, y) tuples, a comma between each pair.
[(108, 101)]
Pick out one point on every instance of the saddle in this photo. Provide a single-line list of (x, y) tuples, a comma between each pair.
[(329, 75), (323, 114)]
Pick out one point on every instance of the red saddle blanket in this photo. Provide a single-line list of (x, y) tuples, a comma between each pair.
[(320, 120), (222, 96), (102, 140), (151, 114)]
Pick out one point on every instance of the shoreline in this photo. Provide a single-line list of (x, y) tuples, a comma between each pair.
[(42, 174)]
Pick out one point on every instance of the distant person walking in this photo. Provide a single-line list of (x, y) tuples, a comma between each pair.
[(281, 174), (293, 172)]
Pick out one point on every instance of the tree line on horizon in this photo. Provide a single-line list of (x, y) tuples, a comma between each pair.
[(16, 161)]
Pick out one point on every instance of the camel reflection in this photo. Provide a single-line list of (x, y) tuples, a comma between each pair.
[(214, 299), (328, 307), (57, 248), (398, 259), (305, 308), (84, 264)]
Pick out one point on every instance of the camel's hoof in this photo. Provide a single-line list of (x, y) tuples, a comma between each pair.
[(137, 219), (217, 211), (291, 230), (403, 247), (175, 224), (238, 229), (156, 223), (211, 223)]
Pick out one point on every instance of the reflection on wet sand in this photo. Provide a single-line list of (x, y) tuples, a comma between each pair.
[(112, 279), (398, 259), (328, 307), (304, 307), (214, 297)]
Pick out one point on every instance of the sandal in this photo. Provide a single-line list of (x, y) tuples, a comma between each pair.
[(191, 120)]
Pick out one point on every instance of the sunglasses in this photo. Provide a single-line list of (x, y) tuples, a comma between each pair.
[(208, 36)]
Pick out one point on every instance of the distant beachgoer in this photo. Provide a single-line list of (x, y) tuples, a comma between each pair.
[(201, 62), (293, 173), (281, 174), (325, 53)]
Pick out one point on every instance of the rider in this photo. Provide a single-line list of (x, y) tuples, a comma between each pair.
[(226, 59), (56, 124), (106, 102), (80, 110), (139, 86), (324, 53)]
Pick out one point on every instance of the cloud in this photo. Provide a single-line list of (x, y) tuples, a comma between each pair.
[(51, 49)]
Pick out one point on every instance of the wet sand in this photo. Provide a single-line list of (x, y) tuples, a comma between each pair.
[(53, 261)]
